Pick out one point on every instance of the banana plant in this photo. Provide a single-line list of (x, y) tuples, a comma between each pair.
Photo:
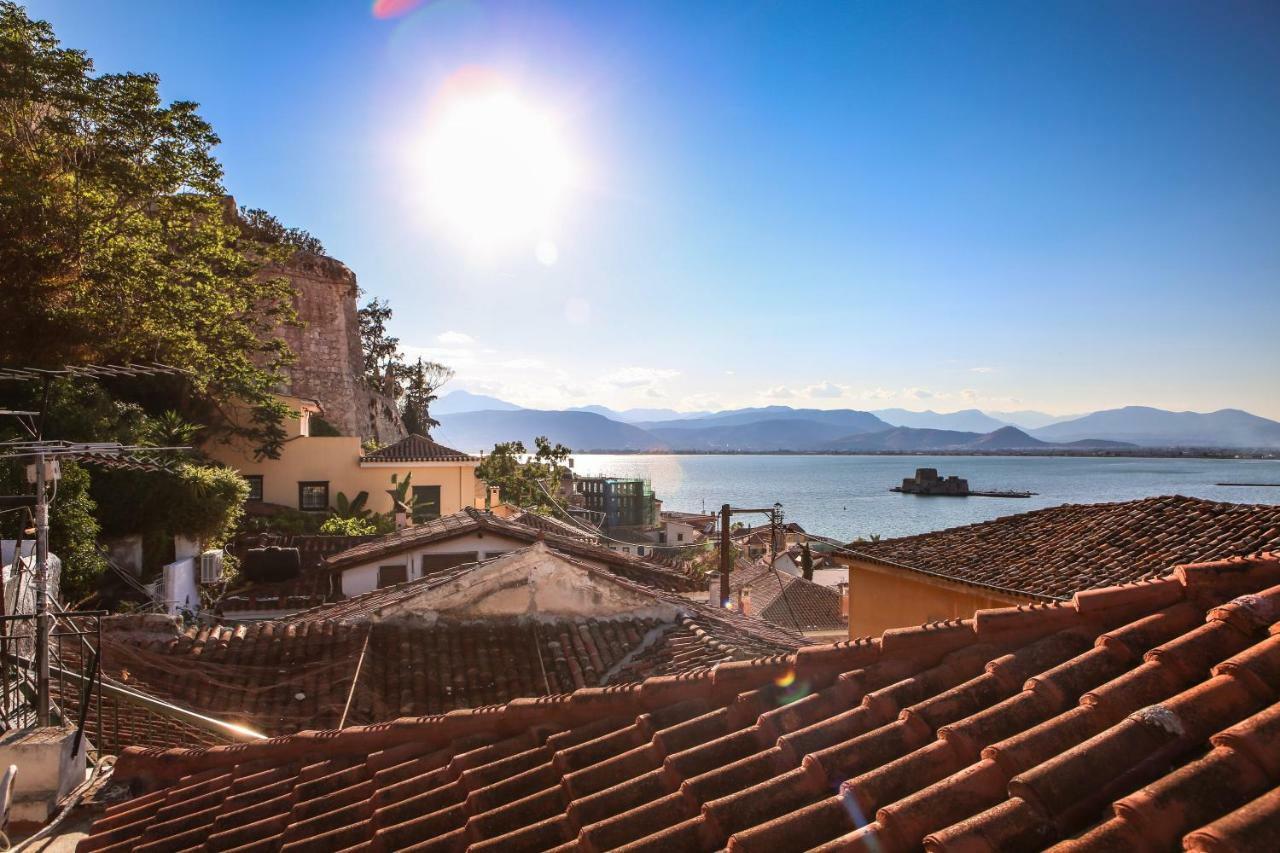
[(354, 508)]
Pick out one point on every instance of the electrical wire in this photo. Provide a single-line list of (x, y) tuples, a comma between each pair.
[(782, 589)]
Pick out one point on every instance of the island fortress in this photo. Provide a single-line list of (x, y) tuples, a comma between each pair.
[(927, 482)]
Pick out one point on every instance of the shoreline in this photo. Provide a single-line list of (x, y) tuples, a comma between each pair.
[(1137, 453)]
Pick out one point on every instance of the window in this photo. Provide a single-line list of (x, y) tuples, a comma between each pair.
[(255, 486), (313, 496), (679, 537), (640, 550), (391, 575), (426, 503), (429, 563)]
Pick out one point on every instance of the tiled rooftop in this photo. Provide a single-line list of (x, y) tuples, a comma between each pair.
[(428, 646), (1143, 716), (417, 448), (805, 606), (469, 520), (1051, 553)]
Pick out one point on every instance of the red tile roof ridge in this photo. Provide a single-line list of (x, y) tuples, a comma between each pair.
[(722, 683), (1049, 553)]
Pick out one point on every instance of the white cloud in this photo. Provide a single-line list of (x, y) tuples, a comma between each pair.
[(635, 377), (982, 370), (825, 390), (452, 338), (523, 364), (779, 392)]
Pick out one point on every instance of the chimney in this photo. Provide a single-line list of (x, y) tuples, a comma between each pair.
[(744, 601), (402, 516), (843, 589), (713, 589), (494, 497)]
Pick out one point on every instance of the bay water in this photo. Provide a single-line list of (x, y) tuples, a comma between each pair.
[(845, 497)]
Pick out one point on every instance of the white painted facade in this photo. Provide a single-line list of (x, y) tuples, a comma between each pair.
[(473, 546)]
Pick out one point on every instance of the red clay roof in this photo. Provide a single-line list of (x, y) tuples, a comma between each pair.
[(1051, 553), (1146, 713), (470, 520), (417, 448), (805, 606)]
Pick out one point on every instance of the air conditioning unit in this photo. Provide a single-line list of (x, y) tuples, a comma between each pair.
[(211, 567)]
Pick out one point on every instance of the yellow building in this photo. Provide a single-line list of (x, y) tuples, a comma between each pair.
[(312, 470)]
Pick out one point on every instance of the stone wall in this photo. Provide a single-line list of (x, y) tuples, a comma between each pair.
[(329, 366)]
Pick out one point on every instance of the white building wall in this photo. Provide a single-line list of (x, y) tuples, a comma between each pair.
[(363, 578)]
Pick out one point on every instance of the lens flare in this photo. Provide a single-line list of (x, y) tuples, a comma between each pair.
[(495, 167), (384, 9), (787, 679)]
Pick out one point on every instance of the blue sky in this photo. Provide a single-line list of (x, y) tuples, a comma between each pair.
[(1062, 206)]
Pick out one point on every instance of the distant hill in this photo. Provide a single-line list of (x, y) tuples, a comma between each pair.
[(765, 435), (1030, 419), (582, 431), (631, 416), (1149, 427), (966, 420), (464, 401), (910, 439), (477, 421), (851, 419)]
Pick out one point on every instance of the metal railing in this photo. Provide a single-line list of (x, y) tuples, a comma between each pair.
[(68, 634), (112, 715)]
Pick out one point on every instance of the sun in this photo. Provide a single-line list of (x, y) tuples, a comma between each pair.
[(496, 170)]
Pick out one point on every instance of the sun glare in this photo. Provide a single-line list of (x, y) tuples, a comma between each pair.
[(496, 171)]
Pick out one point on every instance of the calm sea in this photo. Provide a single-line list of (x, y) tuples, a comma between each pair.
[(848, 496)]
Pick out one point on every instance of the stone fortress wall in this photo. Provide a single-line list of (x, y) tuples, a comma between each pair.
[(330, 364)]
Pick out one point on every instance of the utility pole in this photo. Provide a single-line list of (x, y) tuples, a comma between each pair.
[(726, 559), (42, 598)]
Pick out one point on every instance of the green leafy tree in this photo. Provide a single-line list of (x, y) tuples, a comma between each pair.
[(117, 242), (265, 228), (73, 532), (383, 363), (170, 429), (526, 482), (422, 380)]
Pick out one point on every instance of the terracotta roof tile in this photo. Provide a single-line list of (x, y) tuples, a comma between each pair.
[(1150, 720), (1055, 552), (417, 448)]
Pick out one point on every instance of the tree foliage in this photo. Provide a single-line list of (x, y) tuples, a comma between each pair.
[(383, 363), (422, 380), (265, 228), (73, 533), (523, 480), (337, 525), (116, 240)]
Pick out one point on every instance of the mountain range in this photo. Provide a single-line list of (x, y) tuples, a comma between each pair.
[(476, 421)]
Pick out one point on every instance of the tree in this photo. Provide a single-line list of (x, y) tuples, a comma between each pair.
[(422, 380), (806, 562), (528, 483), (382, 358), (117, 242), (265, 228)]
